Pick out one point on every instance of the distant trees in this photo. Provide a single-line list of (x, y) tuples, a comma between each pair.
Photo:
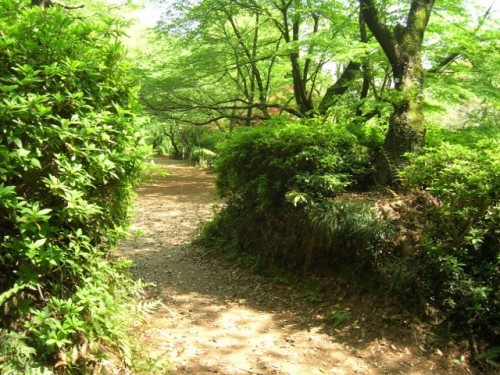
[(233, 63), (269, 56)]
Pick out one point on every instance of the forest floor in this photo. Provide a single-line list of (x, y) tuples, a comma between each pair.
[(219, 318)]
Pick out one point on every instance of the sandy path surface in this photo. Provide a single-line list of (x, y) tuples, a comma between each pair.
[(220, 319)]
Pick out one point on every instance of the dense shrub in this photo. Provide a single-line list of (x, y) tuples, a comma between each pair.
[(458, 260), (69, 153), (290, 205), (269, 166), (279, 181)]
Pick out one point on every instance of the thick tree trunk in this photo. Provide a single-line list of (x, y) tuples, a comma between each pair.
[(406, 131), (402, 45)]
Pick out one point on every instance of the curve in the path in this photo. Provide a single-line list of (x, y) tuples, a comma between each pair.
[(220, 319)]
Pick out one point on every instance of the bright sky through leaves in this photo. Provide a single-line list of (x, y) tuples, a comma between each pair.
[(153, 10)]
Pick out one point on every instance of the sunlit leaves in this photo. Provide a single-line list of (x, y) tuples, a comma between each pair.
[(467, 41), (459, 260), (69, 154)]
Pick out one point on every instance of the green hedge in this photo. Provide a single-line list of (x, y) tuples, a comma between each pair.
[(287, 209), (458, 262), (279, 180), (270, 166), (69, 154)]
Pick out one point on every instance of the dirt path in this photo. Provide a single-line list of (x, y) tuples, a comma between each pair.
[(220, 319)]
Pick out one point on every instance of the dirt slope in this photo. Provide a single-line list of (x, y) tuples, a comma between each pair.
[(221, 319)]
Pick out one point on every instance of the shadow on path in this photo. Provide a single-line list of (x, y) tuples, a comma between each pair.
[(220, 319)]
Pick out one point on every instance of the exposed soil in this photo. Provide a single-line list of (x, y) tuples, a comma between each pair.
[(218, 318)]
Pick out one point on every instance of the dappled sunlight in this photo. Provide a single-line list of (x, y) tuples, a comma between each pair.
[(217, 330), (242, 338), (219, 318)]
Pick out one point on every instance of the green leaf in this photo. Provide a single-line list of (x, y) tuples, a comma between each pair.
[(18, 142), (36, 163), (6, 191), (22, 153), (8, 89)]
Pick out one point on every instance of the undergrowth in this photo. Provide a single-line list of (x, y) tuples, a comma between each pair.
[(70, 154), (458, 258), (295, 204)]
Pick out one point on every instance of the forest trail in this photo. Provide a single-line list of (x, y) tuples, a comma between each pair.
[(218, 318)]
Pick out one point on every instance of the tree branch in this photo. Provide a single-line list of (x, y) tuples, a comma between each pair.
[(444, 63), (379, 30), (339, 87)]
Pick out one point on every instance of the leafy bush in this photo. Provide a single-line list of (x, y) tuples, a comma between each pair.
[(279, 180), (466, 136), (69, 154), (458, 265), (203, 157), (287, 209), (267, 166)]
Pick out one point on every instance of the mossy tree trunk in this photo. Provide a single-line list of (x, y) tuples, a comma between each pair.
[(402, 44)]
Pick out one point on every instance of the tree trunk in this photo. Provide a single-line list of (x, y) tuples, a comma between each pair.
[(406, 131), (402, 47), (339, 88), (171, 136)]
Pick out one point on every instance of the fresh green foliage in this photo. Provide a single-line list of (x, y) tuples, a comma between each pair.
[(274, 166), (347, 224), (480, 125), (203, 157), (280, 181), (69, 155), (459, 257), (236, 63)]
